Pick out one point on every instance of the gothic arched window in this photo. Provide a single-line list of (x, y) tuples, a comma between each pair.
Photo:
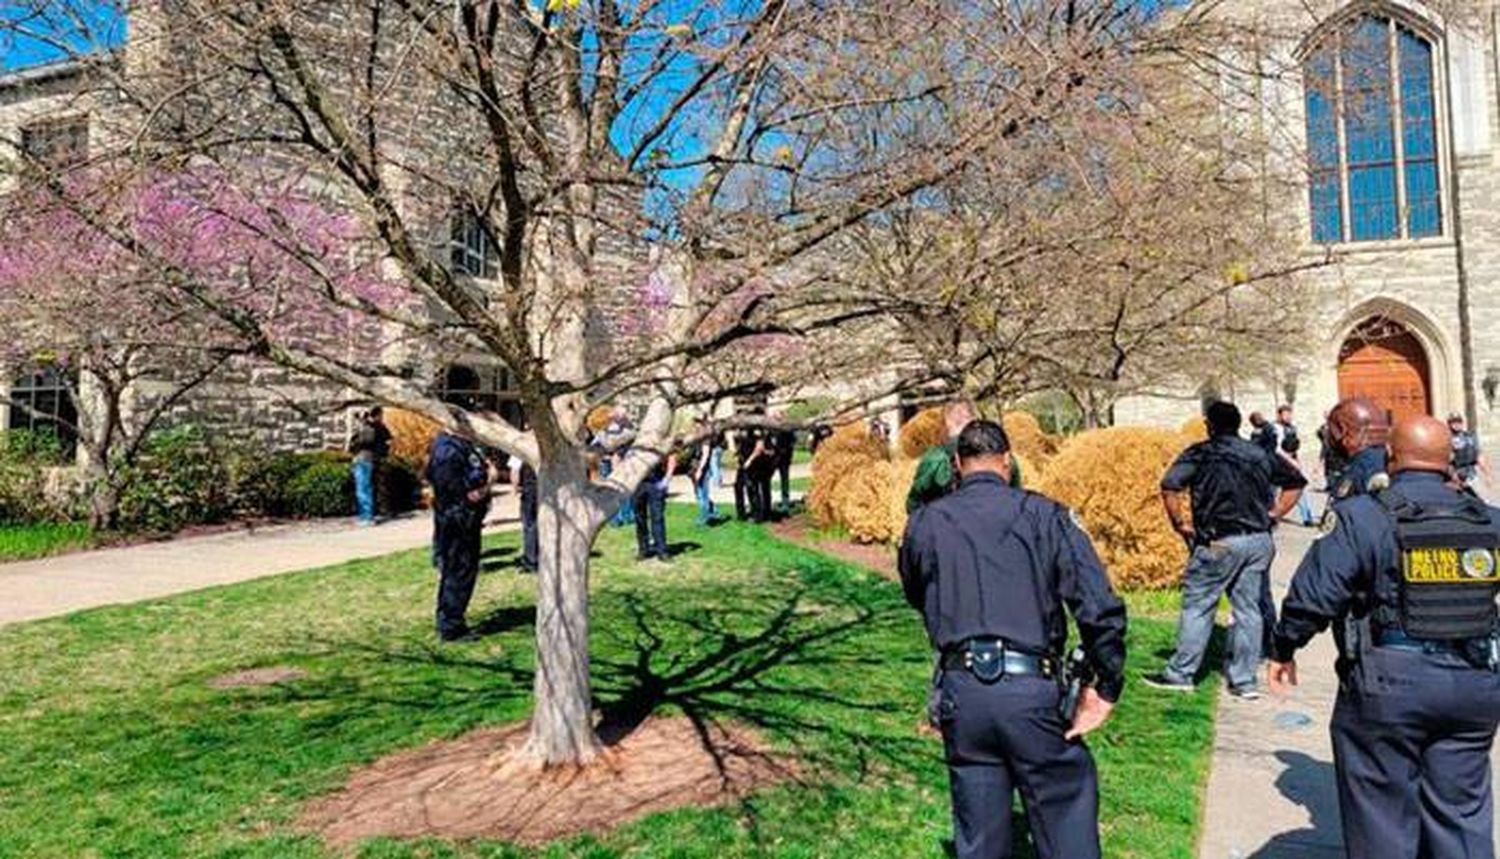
[(1372, 144)]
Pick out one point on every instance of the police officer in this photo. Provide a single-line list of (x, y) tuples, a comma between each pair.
[(1467, 461), (1408, 577), (991, 569), (460, 480), (1358, 428)]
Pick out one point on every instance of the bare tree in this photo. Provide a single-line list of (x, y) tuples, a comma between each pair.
[(665, 204)]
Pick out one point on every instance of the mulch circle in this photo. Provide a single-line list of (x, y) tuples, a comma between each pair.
[(479, 785), (269, 676), (876, 557)]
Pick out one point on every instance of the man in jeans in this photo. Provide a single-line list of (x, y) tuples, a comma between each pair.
[(370, 443), (1229, 535)]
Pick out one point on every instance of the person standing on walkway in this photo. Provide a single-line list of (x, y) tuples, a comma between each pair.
[(523, 478), (1289, 445), (460, 480), (994, 572), (1468, 460), (371, 444), (1229, 537), (1408, 577)]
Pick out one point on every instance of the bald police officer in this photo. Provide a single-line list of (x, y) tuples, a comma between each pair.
[(992, 568), (1358, 429), (1407, 576)]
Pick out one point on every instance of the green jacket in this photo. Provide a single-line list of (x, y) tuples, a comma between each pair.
[(936, 476)]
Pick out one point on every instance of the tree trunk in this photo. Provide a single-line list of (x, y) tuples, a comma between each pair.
[(103, 495), (569, 517)]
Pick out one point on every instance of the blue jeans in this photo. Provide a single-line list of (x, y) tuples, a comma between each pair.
[(716, 467), (626, 514), (702, 489), (1240, 566), (364, 489)]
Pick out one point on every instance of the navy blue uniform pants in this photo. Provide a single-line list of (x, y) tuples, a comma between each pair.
[(1004, 737), (651, 520), (455, 549), (529, 542), (1411, 742)]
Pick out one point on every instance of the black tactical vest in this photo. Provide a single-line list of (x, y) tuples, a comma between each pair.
[(1450, 568)]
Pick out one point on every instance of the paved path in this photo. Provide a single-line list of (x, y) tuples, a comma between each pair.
[(69, 583), (1271, 791), (30, 590)]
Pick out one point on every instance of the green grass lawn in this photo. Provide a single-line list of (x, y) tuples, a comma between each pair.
[(112, 743), (20, 542)]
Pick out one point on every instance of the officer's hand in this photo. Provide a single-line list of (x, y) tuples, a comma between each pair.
[(1283, 676), (478, 495), (1093, 711)]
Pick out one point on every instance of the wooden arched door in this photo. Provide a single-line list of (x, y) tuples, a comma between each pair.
[(1385, 362)]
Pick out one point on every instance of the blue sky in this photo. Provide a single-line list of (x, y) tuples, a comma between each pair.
[(94, 25)]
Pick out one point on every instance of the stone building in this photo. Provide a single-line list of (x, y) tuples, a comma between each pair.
[(61, 114), (1394, 108)]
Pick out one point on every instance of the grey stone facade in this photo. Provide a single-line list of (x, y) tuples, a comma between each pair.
[(1414, 283)]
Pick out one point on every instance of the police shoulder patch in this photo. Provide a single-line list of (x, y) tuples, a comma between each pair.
[(1328, 525)]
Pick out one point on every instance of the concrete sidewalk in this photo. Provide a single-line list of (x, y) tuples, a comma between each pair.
[(55, 586), (49, 587), (1271, 791)]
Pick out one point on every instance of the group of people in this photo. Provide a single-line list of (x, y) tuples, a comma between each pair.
[(1406, 572), (462, 475)]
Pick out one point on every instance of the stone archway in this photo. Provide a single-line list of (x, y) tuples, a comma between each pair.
[(1383, 360)]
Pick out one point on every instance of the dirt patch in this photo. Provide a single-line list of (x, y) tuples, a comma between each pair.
[(478, 785), (872, 556), (268, 676)]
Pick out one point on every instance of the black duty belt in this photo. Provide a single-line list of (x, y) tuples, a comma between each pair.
[(991, 659), (1397, 640)]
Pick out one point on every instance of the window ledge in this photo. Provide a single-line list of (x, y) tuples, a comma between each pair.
[(1378, 246)]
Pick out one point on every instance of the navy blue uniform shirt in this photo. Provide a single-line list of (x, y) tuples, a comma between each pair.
[(991, 561), (1231, 481), (1356, 476), (454, 468), (1357, 559)]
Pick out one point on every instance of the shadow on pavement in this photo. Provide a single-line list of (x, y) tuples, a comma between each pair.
[(1309, 783)]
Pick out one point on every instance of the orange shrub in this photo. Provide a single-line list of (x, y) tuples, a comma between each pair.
[(1111, 479), (849, 451), (926, 429), (411, 436), (902, 472), (1194, 430), (1028, 439), (862, 502)]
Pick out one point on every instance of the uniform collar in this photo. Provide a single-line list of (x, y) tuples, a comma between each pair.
[(983, 477), (1419, 477)]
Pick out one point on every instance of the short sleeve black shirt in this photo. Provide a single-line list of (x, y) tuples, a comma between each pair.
[(1232, 482)]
